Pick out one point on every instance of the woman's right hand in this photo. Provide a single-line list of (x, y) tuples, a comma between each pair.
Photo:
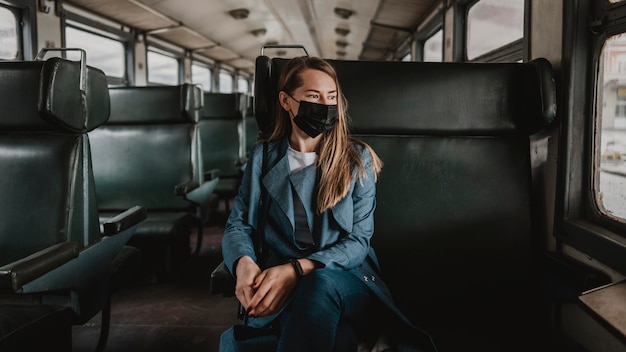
[(246, 271)]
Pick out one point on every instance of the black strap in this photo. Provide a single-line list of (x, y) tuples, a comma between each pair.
[(259, 233)]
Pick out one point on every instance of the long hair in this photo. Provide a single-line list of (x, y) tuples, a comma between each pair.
[(337, 155)]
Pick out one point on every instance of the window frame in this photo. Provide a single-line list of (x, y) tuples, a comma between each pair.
[(17, 14), (155, 46), (209, 67), (230, 73), (516, 51), (98, 28), (578, 221), (443, 38), (240, 77), (25, 12), (427, 31)]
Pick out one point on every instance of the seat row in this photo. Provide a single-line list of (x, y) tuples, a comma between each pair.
[(99, 184), (56, 256)]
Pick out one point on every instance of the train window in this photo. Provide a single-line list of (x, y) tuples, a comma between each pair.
[(162, 69), (9, 40), (202, 75), (243, 86), (102, 52), (226, 82), (493, 24), (610, 190), (433, 47)]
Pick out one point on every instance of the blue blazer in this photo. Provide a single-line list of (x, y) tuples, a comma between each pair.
[(342, 234)]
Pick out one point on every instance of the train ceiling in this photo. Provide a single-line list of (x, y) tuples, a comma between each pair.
[(234, 31)]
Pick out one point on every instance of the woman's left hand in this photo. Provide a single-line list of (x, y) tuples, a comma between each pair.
[(273, 287)]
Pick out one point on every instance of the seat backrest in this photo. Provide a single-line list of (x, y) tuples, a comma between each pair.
[(222, 131), (251, 126), (47, 188), (148, 147), (453, 223)]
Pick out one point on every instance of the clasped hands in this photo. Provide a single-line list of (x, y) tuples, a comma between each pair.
[(264, 292)]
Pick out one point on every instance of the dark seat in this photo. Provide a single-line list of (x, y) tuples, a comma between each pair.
[(251, 126), (147, 153), (454, 227), (55, 257), (222, 138)]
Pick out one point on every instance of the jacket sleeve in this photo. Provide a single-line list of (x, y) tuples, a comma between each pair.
[(351, 249), (237, 240)]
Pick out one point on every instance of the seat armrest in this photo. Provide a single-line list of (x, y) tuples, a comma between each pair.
[(185, 188), (211, 174), (201, 194), (18, 273), (241, 161), (124, 220)]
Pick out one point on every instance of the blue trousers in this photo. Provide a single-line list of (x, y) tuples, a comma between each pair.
[(324, 314)]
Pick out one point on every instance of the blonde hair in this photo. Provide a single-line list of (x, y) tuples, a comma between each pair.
[(336, 153)]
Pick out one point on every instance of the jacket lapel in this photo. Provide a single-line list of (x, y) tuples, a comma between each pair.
[(279, 188)]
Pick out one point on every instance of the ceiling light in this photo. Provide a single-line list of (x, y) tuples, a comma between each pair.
[(281, 52), (341, 53), (258, 32), (341, 43), (271, 42), (343, 13), (342, 31), (239, 14)]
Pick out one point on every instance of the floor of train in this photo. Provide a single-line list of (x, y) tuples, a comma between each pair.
[(176, 315)]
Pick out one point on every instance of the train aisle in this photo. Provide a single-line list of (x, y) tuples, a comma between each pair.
[(177, 315)]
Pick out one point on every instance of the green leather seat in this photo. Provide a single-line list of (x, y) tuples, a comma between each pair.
[(455, 229), (222, 138), (148, 154), (54, 253)]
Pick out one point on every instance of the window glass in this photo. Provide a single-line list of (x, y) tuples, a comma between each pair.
[(492, 24), (433, 47), (201, 75), (226, 82), (407, 57), (162, 69), (610, 173), (242, 85), (104, 53), (9, 44)]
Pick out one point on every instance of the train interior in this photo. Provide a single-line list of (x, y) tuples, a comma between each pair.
[(476, 258), (121, 189)]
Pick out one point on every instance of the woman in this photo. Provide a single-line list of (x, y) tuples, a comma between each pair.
[(314, 285)]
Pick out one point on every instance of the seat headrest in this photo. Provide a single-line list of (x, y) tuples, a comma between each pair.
[(223, 106), (393, 97), (46, 96), (155, 104)]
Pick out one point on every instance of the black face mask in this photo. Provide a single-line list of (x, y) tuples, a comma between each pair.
[(315, 118)]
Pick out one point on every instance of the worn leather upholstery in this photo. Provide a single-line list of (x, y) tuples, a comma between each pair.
[(148, 154), (51, 246), (222, 138), (454, 224)]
